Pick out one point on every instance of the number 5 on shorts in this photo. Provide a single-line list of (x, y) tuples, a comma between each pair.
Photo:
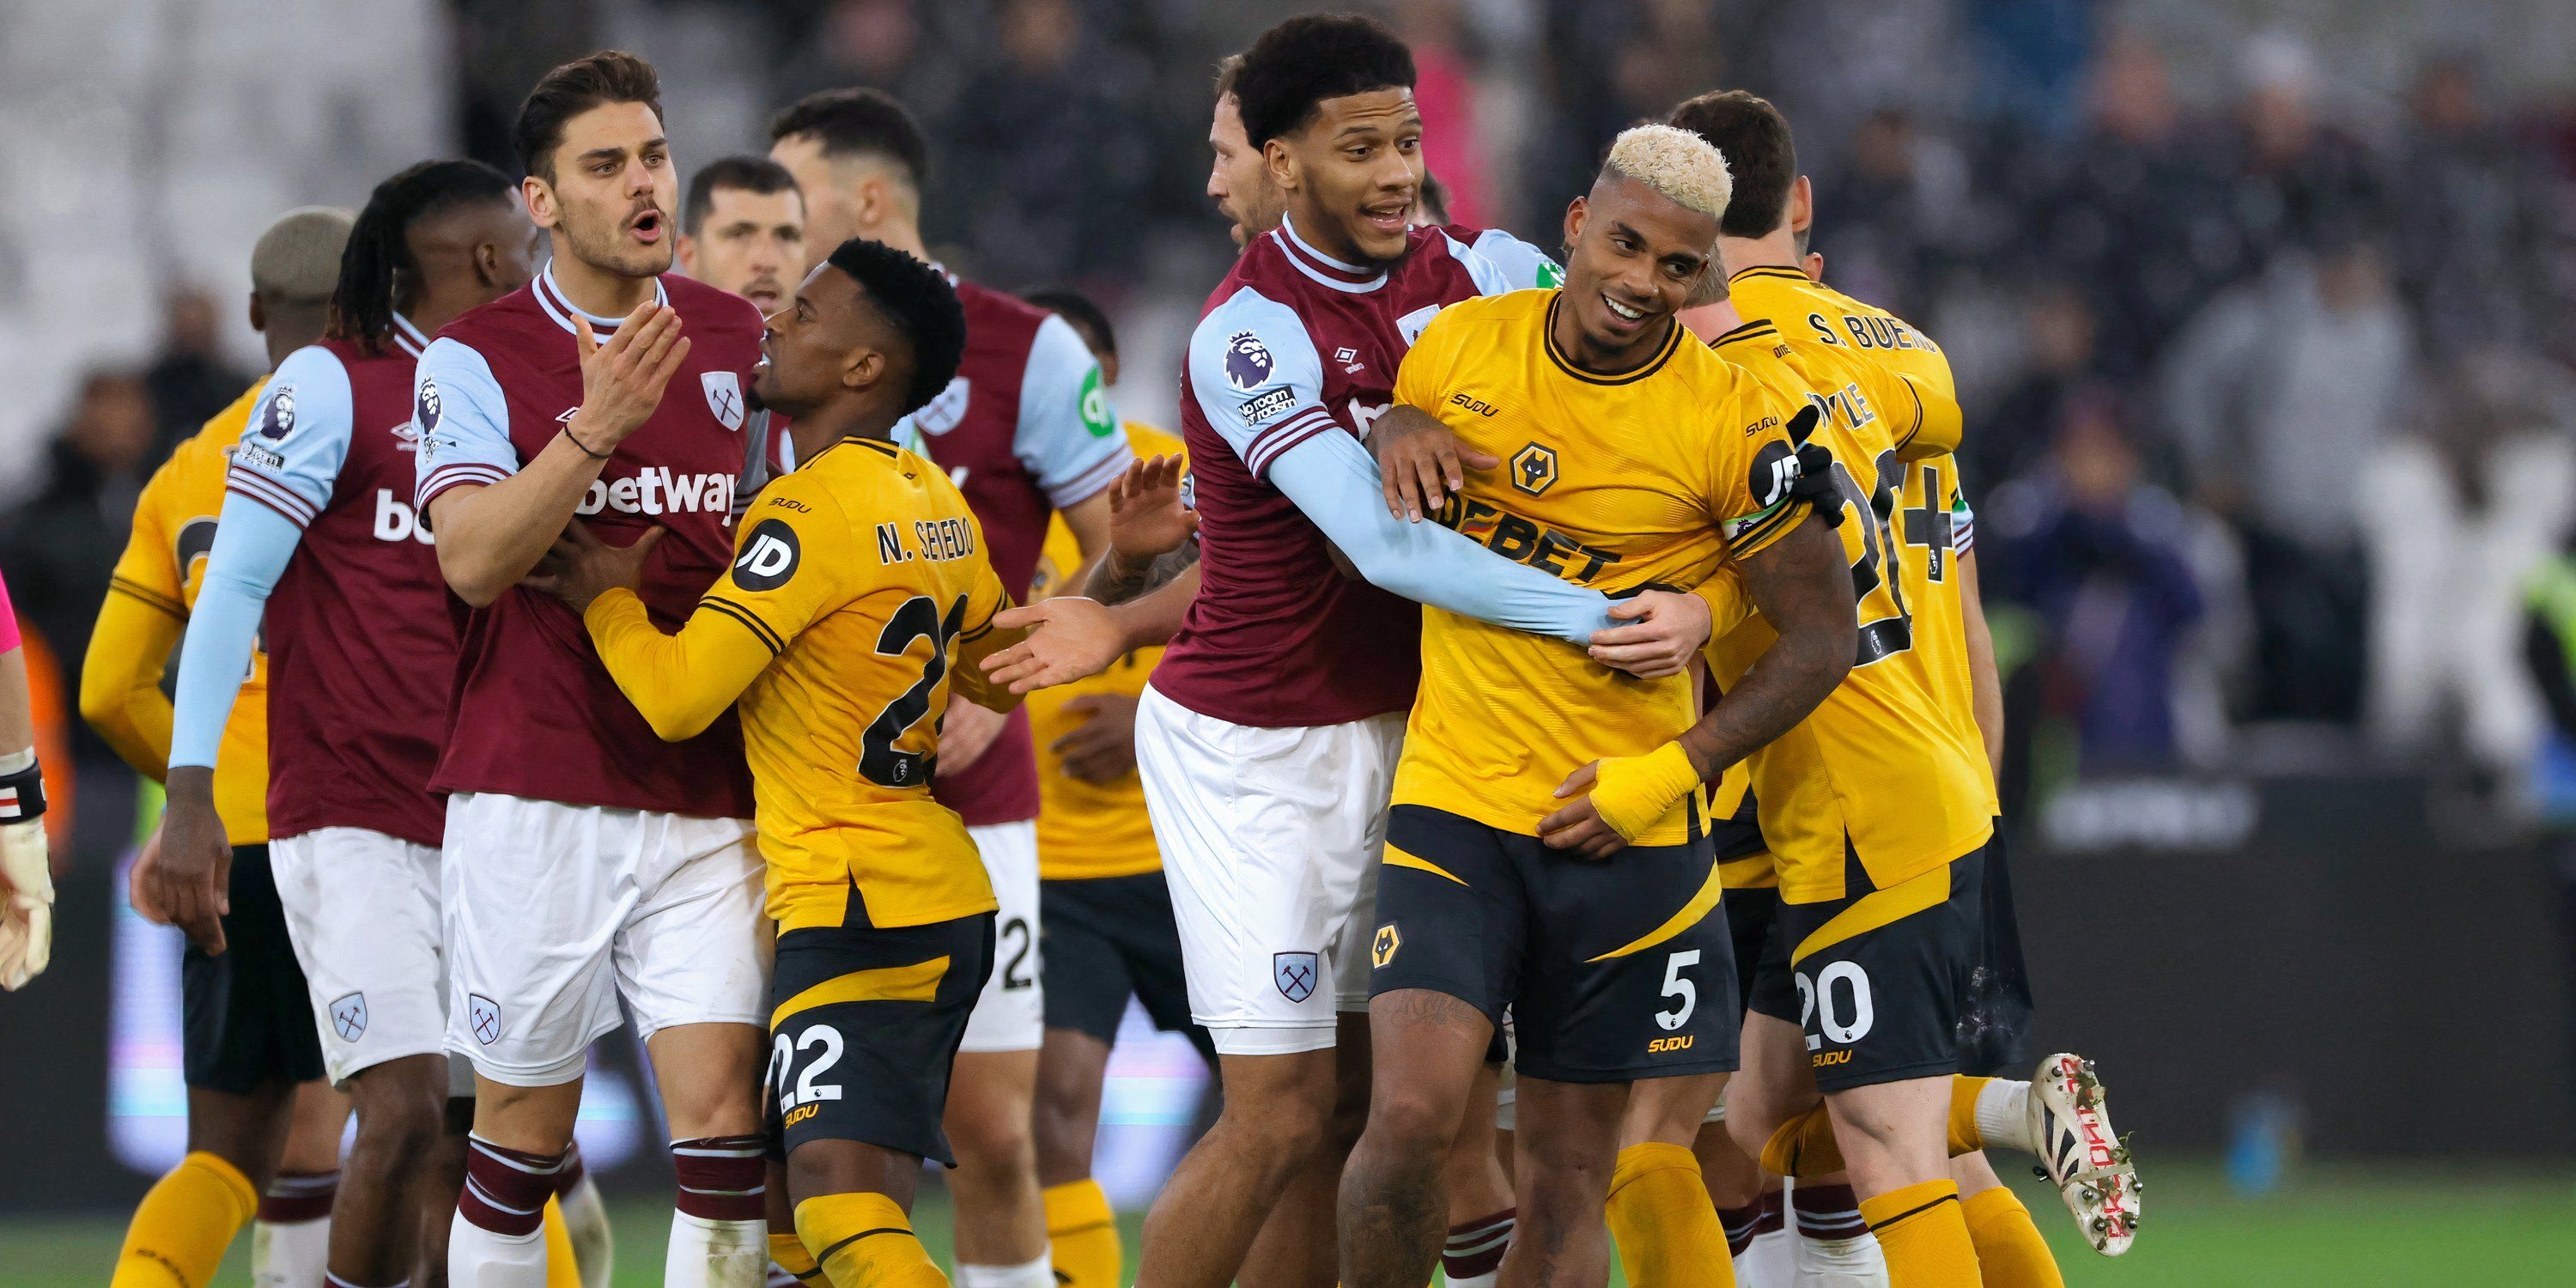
[(1676, 986)]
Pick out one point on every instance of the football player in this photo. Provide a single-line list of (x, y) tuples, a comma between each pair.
[(590, 860), (1027, 430), (1633, 456), (251, 1059), (859, 597), (1269, 733)]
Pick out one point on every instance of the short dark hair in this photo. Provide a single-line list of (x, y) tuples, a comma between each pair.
[(1301, 62), (377, 263), (858, 122), (758, 175), (1080, 312), (1761, 157), (920, 303), (609, 76), (1227, 68)]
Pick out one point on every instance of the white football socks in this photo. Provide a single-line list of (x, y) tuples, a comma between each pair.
[(2003, 1115), (1036, 1274)]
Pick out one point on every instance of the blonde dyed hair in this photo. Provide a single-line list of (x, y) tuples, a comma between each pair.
[(1675, 162)]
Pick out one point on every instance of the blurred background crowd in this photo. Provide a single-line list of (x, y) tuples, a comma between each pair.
[(2259, 309)]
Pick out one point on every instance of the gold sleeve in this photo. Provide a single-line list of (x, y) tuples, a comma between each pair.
[(120, 683), (1932, 423), (681, 682)]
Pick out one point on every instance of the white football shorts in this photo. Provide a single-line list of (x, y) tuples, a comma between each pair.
[(363, 911), (555, 910), (1010, 1014), (1270, 840)]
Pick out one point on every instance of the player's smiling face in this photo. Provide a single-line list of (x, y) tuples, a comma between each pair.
[(1632, 256), (613, 189), (1351, 174)]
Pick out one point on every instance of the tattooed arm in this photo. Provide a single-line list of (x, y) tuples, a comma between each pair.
[(1802, 586)]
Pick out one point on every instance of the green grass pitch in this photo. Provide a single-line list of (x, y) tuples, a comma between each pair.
[(2349, 1227)]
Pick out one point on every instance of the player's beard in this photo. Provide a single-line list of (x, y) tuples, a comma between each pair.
[(603, 244)]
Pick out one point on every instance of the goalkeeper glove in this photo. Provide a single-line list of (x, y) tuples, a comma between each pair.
[(26, 879)]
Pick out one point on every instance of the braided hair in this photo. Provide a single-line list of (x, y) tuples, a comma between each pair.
[(377, 268)]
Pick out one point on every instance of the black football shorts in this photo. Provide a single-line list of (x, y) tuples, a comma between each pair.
[(246, 1018), (1107, 939), (1614, 970), (1995, 1020), (1881, 976), (864, 1029)]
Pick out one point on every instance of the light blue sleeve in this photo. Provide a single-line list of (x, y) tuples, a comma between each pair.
[(1068, 438), (282, 474), (1335, 482), (464, 423), (1502, 263), (1257, 378), (290, 453), (253, 542)]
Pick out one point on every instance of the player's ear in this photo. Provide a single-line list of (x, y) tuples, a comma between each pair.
[(1576, 211), (687, 248), (258, 313), (1802, 205), (863, 369), (1281, 163), (540, 198)]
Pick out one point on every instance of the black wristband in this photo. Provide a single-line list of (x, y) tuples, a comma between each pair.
[(22, 794), (585, 447)]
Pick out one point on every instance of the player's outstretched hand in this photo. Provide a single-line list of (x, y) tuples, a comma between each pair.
[(26, 903), (1666, 629), (622, 380), (580, 567), (1578, 826), (1419, 462), (1069, 639), (189, 883), (1102, 749), (1146, 517)]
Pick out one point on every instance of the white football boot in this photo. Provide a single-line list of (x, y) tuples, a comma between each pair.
[(2070, 1123)]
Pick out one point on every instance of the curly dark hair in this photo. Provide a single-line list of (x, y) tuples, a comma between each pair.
[(1301, 62), (918, 300)]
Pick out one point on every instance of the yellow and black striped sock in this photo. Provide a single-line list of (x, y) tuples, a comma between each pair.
[(865, 1241), (1924, 1236)]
